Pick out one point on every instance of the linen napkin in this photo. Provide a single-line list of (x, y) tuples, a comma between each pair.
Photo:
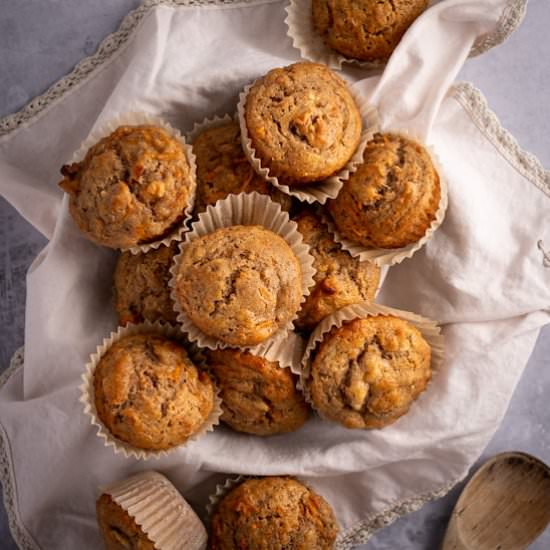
[(482, 274)]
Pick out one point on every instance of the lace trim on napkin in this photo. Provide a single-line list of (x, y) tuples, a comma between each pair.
[(475, 104), (22, 538), (511, 17)]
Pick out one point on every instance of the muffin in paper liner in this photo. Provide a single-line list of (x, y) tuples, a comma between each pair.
[(160, 511), (87, 396), (248, 209), (223, 489), (305, 38), (392, 256), (214, 122), (319, 191), (429, 329), (134, 118)]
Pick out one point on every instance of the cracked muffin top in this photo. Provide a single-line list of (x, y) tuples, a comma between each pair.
[(392, 198), (118, 528), (149, 394), (141, 286), (131, 188), (367, 373), (273, 513), (340, 279), (239, 284), (303, 123), (258, 396), (222, 168), (368, 30)]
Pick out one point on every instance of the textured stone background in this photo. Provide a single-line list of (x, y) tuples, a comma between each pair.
[(41, 40)]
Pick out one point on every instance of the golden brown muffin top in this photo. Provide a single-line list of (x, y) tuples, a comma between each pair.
[(239, 284), (340, 279), (392, 198), (367, 373), (222, 168), (368, 30), (273, 513), (118, 528), (141, 286), (149, 394), (131, 188), (303, 122), (258, 396)]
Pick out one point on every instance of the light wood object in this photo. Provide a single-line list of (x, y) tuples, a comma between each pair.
[(505, 506)]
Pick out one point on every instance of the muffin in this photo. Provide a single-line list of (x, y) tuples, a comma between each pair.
[(340, 279), (368, 30), (273, 513), (367, 373), (118, 528), (303, 123), (149, 394), (141, 286), (258, 396), (239, 284), (222, 168), (128, 516), (131, 188), (392, 198)]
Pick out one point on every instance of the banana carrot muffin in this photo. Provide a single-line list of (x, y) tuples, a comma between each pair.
[(392, 198), (222, 168), (368, 30), (303, 123), (273, 513), (141, 286), (340, 279), (131, 188), (149, 394), (239, 284), (258, 396), (118, 528), (367, 373)]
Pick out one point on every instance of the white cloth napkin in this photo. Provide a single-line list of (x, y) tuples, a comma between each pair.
[(482, 275)]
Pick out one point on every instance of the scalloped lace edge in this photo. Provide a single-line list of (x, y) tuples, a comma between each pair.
[(509, 20), (528, 165)]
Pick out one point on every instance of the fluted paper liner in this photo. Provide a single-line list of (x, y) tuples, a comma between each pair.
[(160, 511), (319, 191), (139, 118), (87, 396), (310, 43), (392, 256), (214, 122), (247, 209), (429, 329)]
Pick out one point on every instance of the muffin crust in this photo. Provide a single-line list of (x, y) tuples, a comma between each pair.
[(118, 528), (131, 188), (149, 394), (258, 396), (340, 279), (368, 30), (303, 123), (222, 168), (273, 513), (392, 198), (141, 286), (367, 373), (239, 284)]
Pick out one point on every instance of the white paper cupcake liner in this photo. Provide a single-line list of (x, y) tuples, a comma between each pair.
[(161, 512), (87, 396), (429, 329), (393, 256), (214, 122), (223, 489), (247, 209), (309, 42), (323, 190), (139, 118)]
